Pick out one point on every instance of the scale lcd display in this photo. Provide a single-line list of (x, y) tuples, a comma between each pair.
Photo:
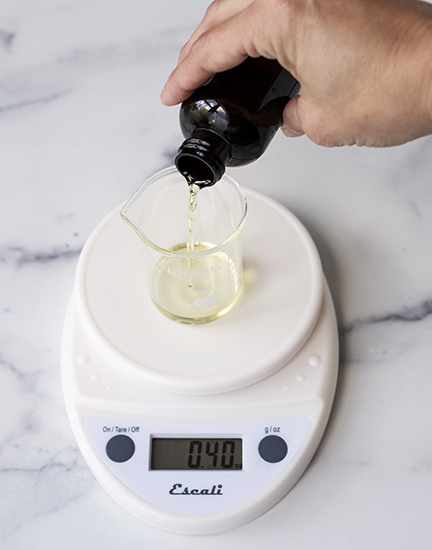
[(196, 454)]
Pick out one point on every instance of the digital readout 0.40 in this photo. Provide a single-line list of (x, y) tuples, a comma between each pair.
[(196, 454)]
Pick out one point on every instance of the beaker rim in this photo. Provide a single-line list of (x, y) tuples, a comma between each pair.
[(173, 253)]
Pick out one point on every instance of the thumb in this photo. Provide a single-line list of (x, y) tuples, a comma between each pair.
[(291, 125)]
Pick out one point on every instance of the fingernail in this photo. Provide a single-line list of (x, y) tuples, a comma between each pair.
[(208, 81), (290, 132)]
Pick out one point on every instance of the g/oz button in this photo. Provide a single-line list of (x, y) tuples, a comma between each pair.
[(273, 449), (120, 448)]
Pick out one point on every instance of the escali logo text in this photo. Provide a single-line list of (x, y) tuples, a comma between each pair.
[(177, 489)]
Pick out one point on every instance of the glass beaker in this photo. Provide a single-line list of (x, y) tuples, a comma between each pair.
[(193, 254)]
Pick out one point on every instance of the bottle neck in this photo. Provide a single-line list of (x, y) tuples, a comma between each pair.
[(202, 157)]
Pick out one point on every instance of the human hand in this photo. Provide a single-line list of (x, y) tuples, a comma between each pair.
[(364, 65)]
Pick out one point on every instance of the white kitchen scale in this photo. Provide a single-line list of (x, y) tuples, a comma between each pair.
[(200, 429)]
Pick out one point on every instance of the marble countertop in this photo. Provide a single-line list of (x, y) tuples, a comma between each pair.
[(81, 127)]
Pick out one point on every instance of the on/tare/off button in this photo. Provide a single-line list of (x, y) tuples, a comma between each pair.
[(273, 449), (120, 448)]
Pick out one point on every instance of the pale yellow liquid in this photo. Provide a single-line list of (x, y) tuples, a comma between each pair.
[(198, 290), (192, 214)]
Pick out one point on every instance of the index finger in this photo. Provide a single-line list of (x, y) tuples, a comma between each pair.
[(218, 49), (217, 12)]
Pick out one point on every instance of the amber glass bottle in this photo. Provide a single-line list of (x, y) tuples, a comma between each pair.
[(231, 120)]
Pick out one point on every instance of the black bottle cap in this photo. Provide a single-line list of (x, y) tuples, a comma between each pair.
[(202, 157)]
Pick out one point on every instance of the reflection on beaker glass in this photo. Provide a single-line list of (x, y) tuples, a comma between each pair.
[(193, 258)]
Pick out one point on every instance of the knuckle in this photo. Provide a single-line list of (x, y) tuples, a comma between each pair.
[(198, 51), (213, 10), (325, 135), (184, 50), (280, 17), (196, 47)]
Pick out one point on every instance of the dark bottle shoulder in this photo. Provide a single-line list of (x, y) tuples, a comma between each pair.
[(243, 105)]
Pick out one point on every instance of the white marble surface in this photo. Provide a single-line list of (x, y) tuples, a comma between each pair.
[(80, 127)]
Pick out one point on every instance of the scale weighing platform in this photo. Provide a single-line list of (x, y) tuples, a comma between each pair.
[(200, 429)]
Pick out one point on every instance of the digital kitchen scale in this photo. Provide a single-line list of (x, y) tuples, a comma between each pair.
[(200, 429)]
